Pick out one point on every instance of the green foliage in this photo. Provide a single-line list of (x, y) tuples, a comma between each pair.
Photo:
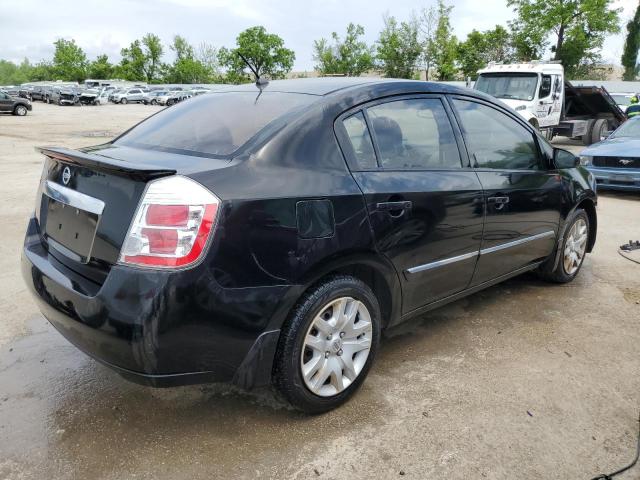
[(153, 51), (265, 52), (398, 48), (528, 41), (186, 68), (69, 61), (12, 74), (100, 68), (443, 49), (631, 48), (480, 48), (428, 23), (579, 27), (350, 57), (132, 64)]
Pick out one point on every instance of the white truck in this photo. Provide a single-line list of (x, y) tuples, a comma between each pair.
[(539, 92)]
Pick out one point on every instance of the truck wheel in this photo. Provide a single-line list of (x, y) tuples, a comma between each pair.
[(599, 129), (20, 110)]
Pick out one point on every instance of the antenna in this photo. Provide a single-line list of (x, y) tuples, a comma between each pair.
[(259, 81)]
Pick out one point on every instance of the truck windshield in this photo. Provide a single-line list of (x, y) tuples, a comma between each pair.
[(516, 86)]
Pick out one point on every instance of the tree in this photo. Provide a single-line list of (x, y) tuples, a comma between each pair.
[(209, 56), (528, 41), (132, 64), (480, 48), (100, 68), (186, 68), (12, 74), (264, 52), (579, 28), (444, 46), (153, 51), (350, 57), (398, 48), (428, 24), (69, 61), (631, 48)]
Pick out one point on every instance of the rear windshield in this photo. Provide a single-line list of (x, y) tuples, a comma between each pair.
[(217, 124)]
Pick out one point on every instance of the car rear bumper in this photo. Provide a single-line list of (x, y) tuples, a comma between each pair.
[(159, 328), (616, 178)]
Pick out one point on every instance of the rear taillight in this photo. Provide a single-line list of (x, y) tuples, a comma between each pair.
[(172, 225)]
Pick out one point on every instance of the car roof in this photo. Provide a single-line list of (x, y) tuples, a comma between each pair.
[(325, 86)]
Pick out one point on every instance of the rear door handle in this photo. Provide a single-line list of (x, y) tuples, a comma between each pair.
[(388, 206)]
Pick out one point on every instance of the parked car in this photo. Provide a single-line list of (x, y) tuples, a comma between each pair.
[(16, 105), (172, 97), (131, 95), (269, 234), (94, 96), (151, 98), (623, 100), (615, 162), (62, 96), (38, 93)]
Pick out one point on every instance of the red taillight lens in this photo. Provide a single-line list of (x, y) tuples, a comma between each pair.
[(172, 226), (169, 215)]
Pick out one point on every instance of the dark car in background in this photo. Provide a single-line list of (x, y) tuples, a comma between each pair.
[(15, 105), (615, 162), (267, 234)]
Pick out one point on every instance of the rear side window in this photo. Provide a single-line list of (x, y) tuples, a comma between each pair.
[(414, 134), (495, 140), (217, 124), (358, 133)]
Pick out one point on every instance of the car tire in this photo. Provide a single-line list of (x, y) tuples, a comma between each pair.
[(123, 101), (154, 102), (169, 103), (20, 110), (312, 336), (573, 249)]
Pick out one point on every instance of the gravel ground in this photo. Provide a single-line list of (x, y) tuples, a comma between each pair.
[(523, 380)]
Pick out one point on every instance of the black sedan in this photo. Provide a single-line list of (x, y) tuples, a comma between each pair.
[(269, 233)]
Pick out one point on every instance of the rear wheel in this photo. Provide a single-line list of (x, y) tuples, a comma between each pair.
[(328, 344), (123, 101), (573, 248), (20, 110), (599, 130)]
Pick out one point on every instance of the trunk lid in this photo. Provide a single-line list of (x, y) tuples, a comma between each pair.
[(87, 199)]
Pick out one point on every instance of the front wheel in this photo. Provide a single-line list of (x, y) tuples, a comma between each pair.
[(573, 248), (123, 101), (20, 111), (328, 345)]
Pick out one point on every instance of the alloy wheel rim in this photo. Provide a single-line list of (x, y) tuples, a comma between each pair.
[(575, 246), (336, 346)]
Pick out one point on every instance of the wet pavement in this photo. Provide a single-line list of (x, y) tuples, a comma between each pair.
[(523, 380)]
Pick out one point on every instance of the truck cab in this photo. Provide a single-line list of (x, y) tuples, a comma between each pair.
[(534, 90)]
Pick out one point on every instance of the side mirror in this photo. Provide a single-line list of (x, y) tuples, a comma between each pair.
[(565, 159)]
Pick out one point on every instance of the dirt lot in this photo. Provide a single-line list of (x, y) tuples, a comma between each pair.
[(525, 380)]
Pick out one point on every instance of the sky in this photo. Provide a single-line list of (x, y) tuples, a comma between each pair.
[(28, 28)]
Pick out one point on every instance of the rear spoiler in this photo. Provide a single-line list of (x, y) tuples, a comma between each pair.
[(137, 171)]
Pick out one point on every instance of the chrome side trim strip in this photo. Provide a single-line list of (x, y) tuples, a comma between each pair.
[(441, 263), (72, 198), (484, 251), (515, 243)]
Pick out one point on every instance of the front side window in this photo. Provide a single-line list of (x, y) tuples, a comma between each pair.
[(414, 134), (360, 138), (495, 140)]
